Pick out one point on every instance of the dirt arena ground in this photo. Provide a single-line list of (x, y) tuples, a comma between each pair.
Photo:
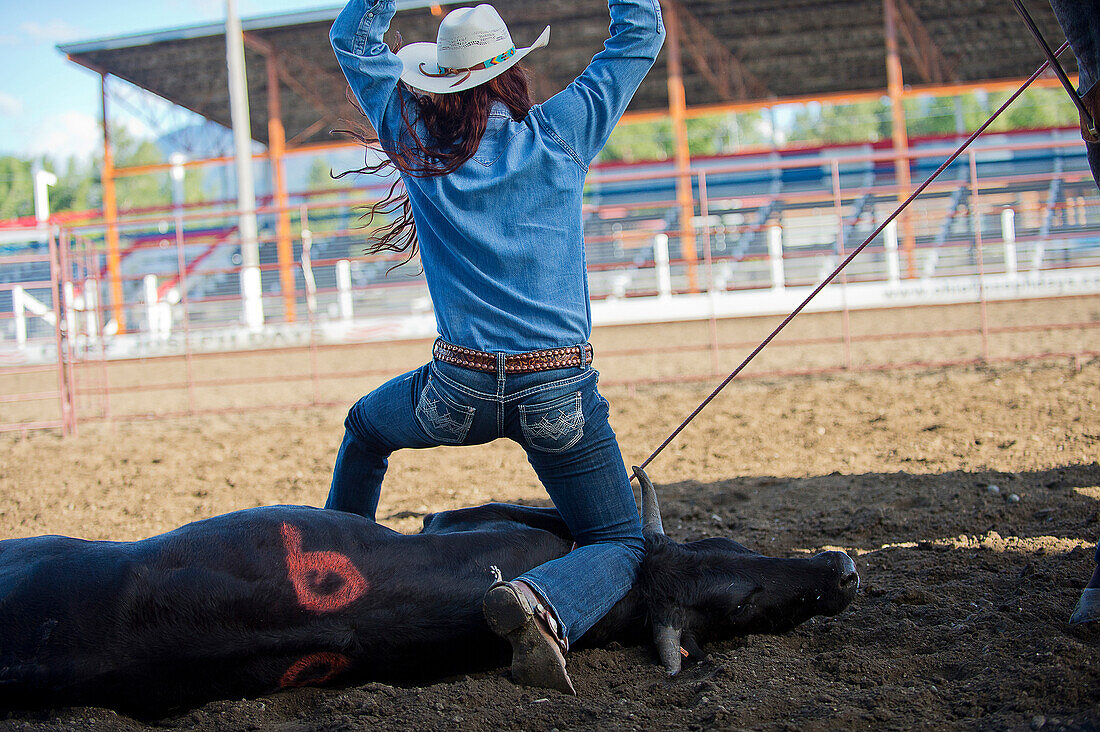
[(960, 622)]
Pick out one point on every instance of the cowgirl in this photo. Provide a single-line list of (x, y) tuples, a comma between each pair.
[(493, 185)]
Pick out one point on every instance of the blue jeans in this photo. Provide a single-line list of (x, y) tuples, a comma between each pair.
[(560, 419), (1080, 21)]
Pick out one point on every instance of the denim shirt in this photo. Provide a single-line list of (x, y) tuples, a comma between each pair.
[(501, 238)]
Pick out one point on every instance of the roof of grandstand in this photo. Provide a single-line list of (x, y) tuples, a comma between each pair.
[(733, 50)]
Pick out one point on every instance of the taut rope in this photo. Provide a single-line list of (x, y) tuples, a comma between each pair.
[(850, 257), (1056, 67)]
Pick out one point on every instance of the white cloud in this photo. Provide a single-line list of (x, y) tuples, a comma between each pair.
[(10, 106), (51, 31), (66, 134)]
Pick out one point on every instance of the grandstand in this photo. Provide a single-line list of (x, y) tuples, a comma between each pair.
[(718, 56)]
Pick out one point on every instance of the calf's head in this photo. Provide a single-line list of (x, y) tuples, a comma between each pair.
[(716, 588)]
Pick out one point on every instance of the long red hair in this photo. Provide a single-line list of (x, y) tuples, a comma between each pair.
[(455, 124)]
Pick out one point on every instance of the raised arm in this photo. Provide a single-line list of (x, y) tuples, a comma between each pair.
[(372, 70), (584, 113)]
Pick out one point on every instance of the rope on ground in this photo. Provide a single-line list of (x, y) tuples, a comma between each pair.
[(850, 257)]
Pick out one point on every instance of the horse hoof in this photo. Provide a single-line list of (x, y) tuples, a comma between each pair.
[(1088, 607)]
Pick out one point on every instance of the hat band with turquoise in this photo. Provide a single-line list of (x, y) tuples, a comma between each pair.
[(445, 71)]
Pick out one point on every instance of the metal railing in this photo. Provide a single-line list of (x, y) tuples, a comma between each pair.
[(1002, 229)]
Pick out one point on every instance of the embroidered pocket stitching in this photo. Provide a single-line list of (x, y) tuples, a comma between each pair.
[(568, 419), (554, 430), (443, 421), (429, 411)]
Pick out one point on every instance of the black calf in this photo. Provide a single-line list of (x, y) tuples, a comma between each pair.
[(253, 601)]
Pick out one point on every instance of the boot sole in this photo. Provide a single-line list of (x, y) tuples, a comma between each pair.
[(536, 659)]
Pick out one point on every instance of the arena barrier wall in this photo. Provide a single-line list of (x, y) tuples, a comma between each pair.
[(974, 264)]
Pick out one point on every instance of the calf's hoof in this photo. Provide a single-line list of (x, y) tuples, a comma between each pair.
[(512, 612), (1088, 607)]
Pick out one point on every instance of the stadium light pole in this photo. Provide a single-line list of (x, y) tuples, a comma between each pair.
[(251, 286)]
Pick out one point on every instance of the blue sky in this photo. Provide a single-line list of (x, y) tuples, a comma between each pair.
[(49, 104)]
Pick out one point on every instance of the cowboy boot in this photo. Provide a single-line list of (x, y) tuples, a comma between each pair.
[(1088, 607), (515, 613)]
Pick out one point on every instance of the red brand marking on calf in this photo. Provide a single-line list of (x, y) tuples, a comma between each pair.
[(323, 581), (314, 669)]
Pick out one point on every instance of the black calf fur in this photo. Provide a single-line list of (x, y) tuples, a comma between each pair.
[(253, 601)]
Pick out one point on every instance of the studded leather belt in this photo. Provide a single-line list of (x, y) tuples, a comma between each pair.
[(514, 363)]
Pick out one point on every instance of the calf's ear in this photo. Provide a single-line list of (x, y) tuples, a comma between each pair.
[(691, 649), (651, 512)]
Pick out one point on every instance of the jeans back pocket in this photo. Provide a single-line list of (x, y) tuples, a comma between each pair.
[(553, 426), (441, 418)]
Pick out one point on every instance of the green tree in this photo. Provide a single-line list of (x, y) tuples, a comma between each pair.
[(16, 188), (638, 141), (841, 123), (747, 129), (75, 187), (137, 191), (79, 184), (709, 135), (726, 133), (320, 176), (71, 192), (1035, 109), (194, 186)]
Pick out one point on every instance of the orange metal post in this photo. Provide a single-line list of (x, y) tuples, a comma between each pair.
[(276, 144), (898, 132), (110, 217), (677, 109)]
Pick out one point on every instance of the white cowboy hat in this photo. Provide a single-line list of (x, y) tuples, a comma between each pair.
[(473, 46)]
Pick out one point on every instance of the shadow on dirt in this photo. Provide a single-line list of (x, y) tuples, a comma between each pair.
[(960, 622)]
